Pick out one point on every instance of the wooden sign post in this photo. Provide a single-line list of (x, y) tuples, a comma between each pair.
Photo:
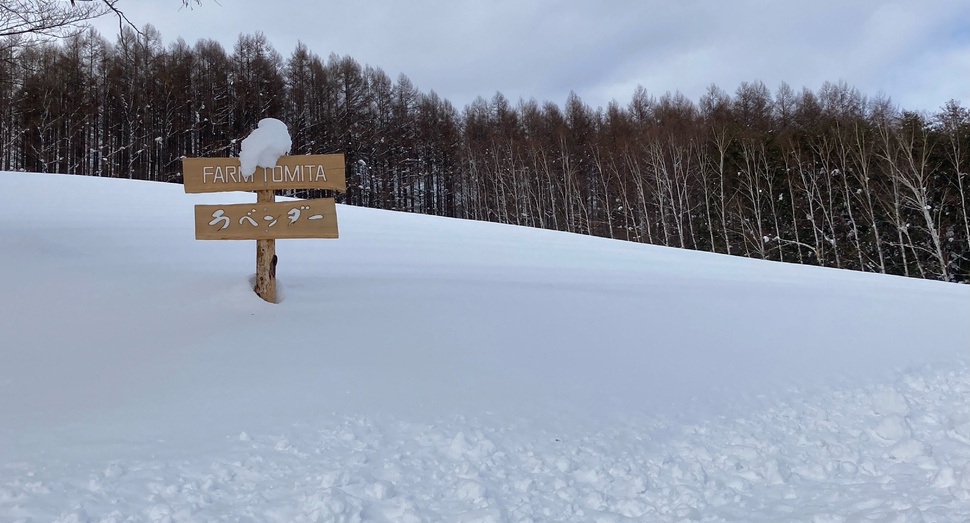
[(266, 256), (266, 220)]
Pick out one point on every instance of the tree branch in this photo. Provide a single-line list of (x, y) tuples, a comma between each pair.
[(46, 18)]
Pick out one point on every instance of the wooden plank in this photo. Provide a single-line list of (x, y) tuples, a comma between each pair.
[(311, 171), (266, 257), (315, 218)]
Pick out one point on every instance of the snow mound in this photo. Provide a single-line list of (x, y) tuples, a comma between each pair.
[(264, 146), (429, 369)]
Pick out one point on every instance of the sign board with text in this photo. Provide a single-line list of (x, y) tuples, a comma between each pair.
[(266, 220), (312, 171), (315, 218)]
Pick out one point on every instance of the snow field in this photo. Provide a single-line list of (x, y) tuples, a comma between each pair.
[(422, 369), (898, 452)]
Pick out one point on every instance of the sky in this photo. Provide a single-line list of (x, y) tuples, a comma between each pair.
[(917, 53)]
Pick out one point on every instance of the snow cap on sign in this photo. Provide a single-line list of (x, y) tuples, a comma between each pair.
[(264, 146)]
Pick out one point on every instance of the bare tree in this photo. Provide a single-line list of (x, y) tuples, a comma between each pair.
[(953, 121), (45, 19), (27, 21), (716, 108), (832, 178), (908, 151)]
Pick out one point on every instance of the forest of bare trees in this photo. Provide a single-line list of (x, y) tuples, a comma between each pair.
[(828, 177)]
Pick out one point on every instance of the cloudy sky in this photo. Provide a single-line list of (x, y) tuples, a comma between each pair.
[(916, 52)]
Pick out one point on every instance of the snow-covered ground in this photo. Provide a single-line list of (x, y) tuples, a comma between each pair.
[(428, 369)]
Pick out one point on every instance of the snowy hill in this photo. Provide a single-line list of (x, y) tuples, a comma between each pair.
[(429, 369)]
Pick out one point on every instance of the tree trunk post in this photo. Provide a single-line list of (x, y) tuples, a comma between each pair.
[(266, 257)]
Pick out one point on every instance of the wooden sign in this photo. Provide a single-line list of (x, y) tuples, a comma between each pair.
[(265, 221), (312, 171)]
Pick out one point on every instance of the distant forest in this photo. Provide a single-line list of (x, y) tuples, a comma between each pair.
[(829, 177)]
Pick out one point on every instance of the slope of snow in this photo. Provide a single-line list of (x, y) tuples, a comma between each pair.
[(427, 369)]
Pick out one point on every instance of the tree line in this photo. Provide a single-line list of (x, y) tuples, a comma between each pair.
[(830, 177)]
